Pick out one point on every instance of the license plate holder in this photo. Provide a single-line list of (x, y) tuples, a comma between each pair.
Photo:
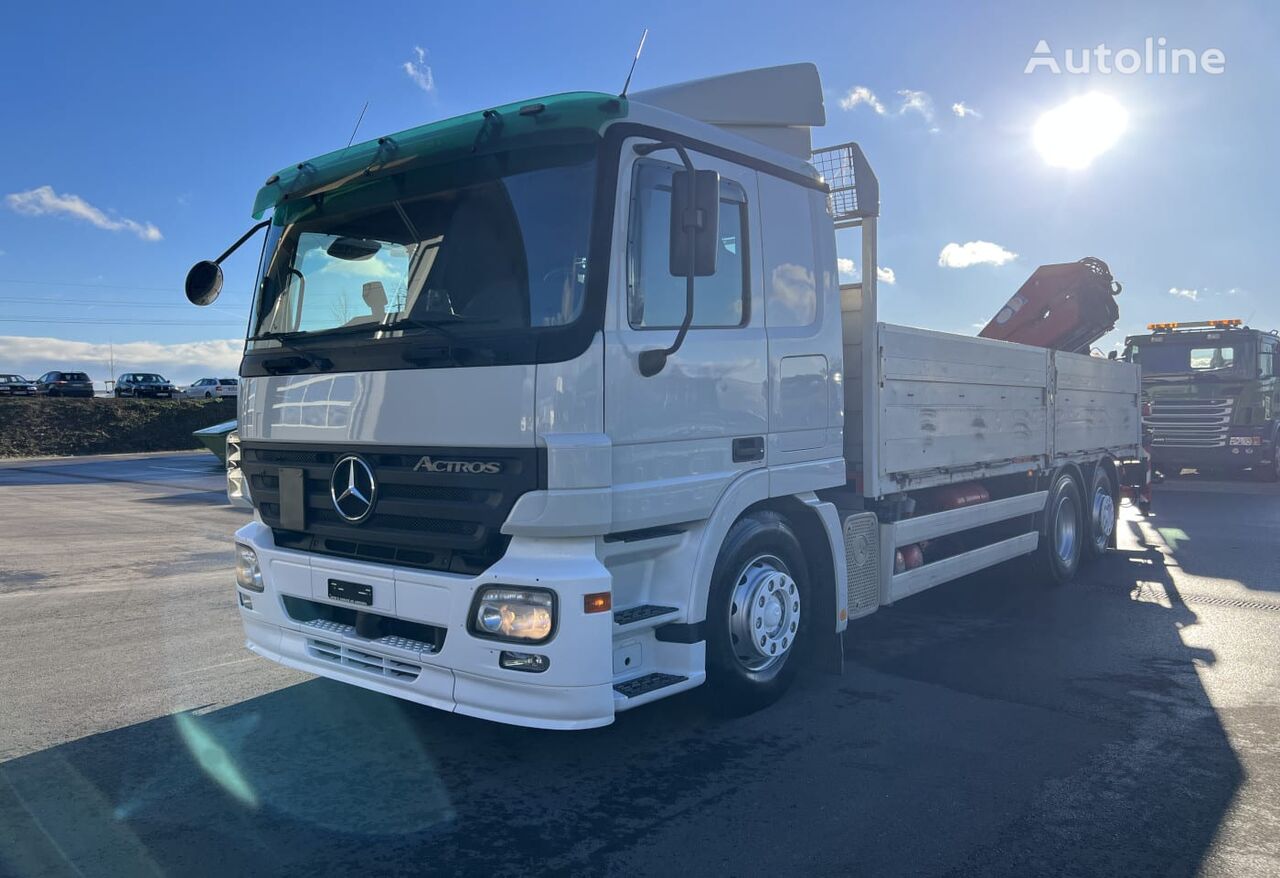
[(351, 592)]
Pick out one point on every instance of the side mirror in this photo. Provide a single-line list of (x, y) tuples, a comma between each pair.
[(1112, 355), (204, 282), (697, 207)]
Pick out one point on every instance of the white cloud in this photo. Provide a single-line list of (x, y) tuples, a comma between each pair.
[(974, 253), (848, 271), (43, 200), (860, 94), (1193, 295), (961, 109), (420, 71), (885, 275), (182, 362), (916, 102)]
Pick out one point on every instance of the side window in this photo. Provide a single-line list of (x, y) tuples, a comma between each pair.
[(655, 299), (1267, 361), (790, 260)]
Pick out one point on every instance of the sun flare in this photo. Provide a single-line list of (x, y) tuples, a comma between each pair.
[(1074, 134)]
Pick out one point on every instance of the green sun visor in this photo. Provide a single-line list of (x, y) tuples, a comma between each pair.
[(573, 115)]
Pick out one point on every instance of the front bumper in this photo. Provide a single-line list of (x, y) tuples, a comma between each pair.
[(1221, 457), (575, 692)]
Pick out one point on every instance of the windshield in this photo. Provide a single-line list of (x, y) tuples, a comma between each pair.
[(1191, 357), (488, 246)]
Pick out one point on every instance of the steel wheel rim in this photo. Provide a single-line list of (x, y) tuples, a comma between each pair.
[(1104, 517), (1064, 529), (764, 614)]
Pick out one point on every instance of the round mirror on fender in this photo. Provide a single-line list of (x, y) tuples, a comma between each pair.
[(204, 282)]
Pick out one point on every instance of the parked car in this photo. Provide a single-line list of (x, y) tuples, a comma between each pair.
[(64, 384), (16, 385), (144, 384), (213, 388)]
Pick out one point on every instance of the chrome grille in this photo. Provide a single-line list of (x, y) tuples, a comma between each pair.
[(434, 520), (1189, 423)]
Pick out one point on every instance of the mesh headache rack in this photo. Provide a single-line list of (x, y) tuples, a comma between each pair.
[(855, 191)]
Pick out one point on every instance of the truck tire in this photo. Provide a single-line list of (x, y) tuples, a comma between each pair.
[(757, 614), (1102, 512), (1057, 557)]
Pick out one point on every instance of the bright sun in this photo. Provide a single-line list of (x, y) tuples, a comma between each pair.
[(1077, 132)]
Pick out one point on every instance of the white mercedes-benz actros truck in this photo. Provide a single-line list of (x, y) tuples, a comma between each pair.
[(559, 408)]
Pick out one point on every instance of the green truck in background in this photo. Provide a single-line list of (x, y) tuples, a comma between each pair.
[(1211, 396)]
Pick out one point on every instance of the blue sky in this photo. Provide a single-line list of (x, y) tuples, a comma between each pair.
[(166, 121)]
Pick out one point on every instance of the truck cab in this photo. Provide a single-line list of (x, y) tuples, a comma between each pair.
[(559, 408), (1213, 395)]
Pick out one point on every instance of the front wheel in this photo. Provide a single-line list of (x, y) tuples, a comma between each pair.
[(1102, 514), (757, 613), (1057, 557)]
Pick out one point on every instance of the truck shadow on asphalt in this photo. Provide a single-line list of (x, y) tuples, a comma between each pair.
[(1221, 530), (992, 727)]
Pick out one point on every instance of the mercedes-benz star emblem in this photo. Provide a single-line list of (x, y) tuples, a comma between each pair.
[(353, 488)]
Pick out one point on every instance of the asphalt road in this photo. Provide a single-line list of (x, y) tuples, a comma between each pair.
[(1128, 724)]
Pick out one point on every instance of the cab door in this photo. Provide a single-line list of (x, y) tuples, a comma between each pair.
[(681, 436)]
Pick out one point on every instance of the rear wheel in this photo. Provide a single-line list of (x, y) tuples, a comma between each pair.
[(1057, 558), (208, 395), (1102, 514), (757, 613)]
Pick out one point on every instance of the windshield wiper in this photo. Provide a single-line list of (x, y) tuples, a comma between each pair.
[(301, 359), (437, 321)]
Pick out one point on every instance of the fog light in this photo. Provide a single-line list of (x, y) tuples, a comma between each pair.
[(523, 661), (245, 600), (248, 573)]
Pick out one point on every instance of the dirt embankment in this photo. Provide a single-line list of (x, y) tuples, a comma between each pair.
[(42, 427)]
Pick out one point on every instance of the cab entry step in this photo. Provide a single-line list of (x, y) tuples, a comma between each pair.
[(631, 615), (647, 683)]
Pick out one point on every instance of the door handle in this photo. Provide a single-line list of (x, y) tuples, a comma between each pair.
[(748, 449)]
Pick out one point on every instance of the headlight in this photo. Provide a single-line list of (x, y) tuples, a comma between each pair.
[(526, 615), (248, 573)]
